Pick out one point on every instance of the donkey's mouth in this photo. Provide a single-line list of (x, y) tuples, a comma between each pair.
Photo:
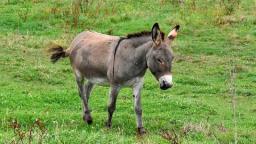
[(165, 86)]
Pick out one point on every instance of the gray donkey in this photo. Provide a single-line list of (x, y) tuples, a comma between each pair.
[(117, 62)]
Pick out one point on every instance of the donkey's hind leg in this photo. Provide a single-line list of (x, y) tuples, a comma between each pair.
[(84, 92), (87, 115)]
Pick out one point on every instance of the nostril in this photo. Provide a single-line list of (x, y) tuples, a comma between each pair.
[(164, 82)]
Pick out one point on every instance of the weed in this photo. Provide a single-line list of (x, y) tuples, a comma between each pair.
[(173, 137), (76, 5), (36, 132)]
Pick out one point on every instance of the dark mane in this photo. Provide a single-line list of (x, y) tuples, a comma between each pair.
[(143, 33)]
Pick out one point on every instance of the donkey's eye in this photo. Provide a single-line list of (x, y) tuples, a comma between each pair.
[(160, 61)]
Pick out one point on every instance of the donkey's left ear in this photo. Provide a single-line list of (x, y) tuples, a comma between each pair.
[(173, 33), (156, 34)]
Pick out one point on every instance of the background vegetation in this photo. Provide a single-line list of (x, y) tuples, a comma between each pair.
[(213, 100)]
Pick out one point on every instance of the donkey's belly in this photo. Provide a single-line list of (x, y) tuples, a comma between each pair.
[(99, 81), (105, 82), (95, 75)]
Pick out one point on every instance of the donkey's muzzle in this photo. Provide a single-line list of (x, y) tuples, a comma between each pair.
[(165, 82)]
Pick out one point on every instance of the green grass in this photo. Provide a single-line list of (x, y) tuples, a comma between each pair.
[(198, 109)]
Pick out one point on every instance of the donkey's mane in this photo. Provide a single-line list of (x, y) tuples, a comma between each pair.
[(143, 33)]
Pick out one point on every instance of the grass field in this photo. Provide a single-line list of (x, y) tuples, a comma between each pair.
[(214, 95)]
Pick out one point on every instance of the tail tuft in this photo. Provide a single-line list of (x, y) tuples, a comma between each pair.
[(57, 52)]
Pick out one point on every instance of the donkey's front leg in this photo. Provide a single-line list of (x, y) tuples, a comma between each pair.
[(137, 105), (112, 103)]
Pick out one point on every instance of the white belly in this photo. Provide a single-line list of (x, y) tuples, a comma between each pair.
[(133, 81), (99, 81), (105, 82)]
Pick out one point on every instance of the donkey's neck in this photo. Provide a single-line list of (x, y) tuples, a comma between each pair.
[(130, 61), (138, 41)]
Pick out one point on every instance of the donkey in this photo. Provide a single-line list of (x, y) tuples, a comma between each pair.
[(117, 62)]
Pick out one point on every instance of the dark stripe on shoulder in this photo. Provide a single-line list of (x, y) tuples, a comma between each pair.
[(115, 50)]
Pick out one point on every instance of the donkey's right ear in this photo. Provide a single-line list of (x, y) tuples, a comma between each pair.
[(156, 34), (173, 33)]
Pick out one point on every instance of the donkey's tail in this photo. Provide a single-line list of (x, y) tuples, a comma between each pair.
[(58, 52)]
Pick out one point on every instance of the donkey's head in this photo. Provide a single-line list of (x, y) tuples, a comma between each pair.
[(160, 57)]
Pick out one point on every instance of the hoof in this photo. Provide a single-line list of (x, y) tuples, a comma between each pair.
[(141, 131), (88, 119)]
